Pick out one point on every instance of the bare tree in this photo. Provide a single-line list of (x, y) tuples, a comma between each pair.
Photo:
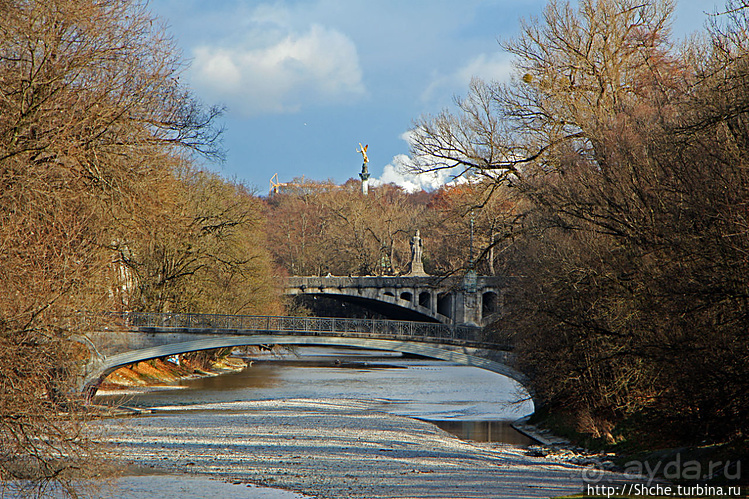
[(91, 113), (207, 254), (321, 228), (298, 226), (574, 71), (631, 159)]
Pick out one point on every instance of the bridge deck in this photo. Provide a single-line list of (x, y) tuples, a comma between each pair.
[(317, 326)]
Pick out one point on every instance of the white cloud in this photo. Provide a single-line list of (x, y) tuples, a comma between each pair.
[(296, 69), (398, 173), (401, 172), (218, 70), (488, 67)]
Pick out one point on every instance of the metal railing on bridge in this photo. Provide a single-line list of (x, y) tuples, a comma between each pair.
[(331, 326)]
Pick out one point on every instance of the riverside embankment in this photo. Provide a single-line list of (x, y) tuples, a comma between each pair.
[(149, 375)]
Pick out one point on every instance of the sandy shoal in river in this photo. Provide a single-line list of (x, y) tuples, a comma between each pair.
[(332, 449)]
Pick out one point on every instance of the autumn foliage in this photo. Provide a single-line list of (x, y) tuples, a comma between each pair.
[(99, 202), (626, 160)]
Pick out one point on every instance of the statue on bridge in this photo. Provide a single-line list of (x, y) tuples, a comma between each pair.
[(417, 248)]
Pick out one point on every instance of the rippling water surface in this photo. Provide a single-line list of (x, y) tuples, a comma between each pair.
[(426, 389)]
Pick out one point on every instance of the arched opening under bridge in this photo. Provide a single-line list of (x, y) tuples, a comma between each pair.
[(100, 368), (386, 306)]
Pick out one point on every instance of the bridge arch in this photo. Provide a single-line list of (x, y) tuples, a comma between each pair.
[(400, 307), (489, 303), (100, 367), (448, 300)]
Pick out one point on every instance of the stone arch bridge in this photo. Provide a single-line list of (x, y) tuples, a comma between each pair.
[(471, 300), (135, 337)]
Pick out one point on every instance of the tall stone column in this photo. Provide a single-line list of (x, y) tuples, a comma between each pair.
[(364, 175)]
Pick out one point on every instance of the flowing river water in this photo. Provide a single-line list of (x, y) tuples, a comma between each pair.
[(367, 394), (472, 403)]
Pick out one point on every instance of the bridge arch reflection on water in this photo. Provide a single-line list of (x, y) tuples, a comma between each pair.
[(135, 337)]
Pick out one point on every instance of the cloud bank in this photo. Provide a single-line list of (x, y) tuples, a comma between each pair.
[(275, 69), (398, 173)]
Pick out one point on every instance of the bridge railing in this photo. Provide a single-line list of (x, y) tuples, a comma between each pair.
[(338, 326)]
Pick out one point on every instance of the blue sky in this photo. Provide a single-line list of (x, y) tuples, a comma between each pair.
[(305, 81)]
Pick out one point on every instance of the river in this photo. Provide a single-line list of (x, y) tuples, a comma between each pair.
[(463, 399), (272, 424)]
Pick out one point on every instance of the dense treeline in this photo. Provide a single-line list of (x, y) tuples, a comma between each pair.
[(101, 209), (207, 253), (316, 228), (626, 158)]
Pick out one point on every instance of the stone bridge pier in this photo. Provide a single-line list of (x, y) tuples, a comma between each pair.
[(449, 300)]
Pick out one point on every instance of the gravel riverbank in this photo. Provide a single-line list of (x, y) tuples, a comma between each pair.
[(334, 448)]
